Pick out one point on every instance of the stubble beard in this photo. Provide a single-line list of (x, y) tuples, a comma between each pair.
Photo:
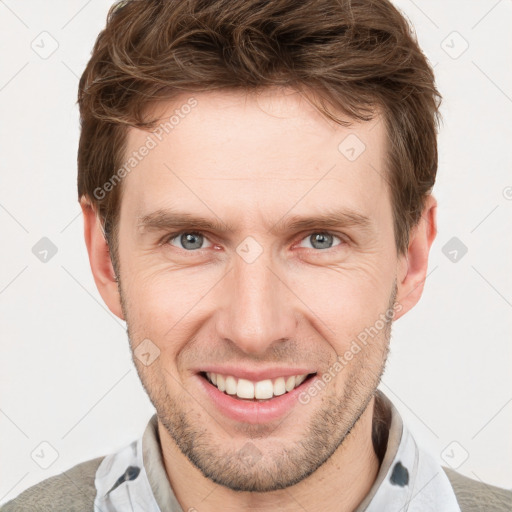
[(259, 465)]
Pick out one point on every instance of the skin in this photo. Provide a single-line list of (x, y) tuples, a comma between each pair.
[(251, 160)]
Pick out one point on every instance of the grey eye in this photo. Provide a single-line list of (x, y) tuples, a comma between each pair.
[(189, 240), (321, 240)]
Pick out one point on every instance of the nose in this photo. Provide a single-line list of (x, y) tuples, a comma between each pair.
[(257, 307)]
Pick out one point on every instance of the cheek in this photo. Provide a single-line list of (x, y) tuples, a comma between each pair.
[(344, 300), (164, 304)]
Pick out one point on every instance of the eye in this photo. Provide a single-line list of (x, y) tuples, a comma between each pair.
[(192, 241), (187, 240), (320, 240)]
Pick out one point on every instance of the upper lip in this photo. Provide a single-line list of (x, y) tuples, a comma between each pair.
[(255, 374)]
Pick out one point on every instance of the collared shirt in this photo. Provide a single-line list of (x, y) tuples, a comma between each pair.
[(409, 479)]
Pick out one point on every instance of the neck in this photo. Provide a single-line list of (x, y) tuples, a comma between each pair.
[(340, 484)]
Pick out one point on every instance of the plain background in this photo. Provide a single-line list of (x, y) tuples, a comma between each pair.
[(66, 375)]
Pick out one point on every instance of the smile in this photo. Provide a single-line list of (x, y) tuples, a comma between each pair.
[(254, 395), (261, 390)]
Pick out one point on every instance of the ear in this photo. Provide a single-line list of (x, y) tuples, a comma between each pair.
[(412, 267), (99, 258)]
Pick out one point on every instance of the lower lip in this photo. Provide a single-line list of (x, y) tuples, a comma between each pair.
[(253, 412)]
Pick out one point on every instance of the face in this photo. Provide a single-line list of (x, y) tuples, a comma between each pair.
[(256, 244)]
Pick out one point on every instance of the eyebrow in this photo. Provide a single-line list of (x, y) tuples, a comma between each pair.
[(162, 219), (342, 218)]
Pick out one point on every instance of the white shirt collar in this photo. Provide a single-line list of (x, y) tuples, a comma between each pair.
[(134, 478)]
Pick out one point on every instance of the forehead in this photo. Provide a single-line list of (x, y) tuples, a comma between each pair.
[(251, 154)]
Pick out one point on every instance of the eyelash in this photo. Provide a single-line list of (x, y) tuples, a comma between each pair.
[(342, 238)]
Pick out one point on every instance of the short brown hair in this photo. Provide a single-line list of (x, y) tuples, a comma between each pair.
[(350, 56)]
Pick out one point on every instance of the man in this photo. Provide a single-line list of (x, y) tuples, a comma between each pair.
[(256, 182)]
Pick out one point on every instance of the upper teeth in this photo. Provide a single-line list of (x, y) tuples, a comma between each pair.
[(261, 390)]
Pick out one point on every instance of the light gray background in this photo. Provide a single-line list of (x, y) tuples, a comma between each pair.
[(65, 370)]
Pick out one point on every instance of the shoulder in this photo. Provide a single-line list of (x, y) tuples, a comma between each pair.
[(71, 491), (475, 496)]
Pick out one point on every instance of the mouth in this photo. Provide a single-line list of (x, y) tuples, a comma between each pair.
[(265, 390)]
